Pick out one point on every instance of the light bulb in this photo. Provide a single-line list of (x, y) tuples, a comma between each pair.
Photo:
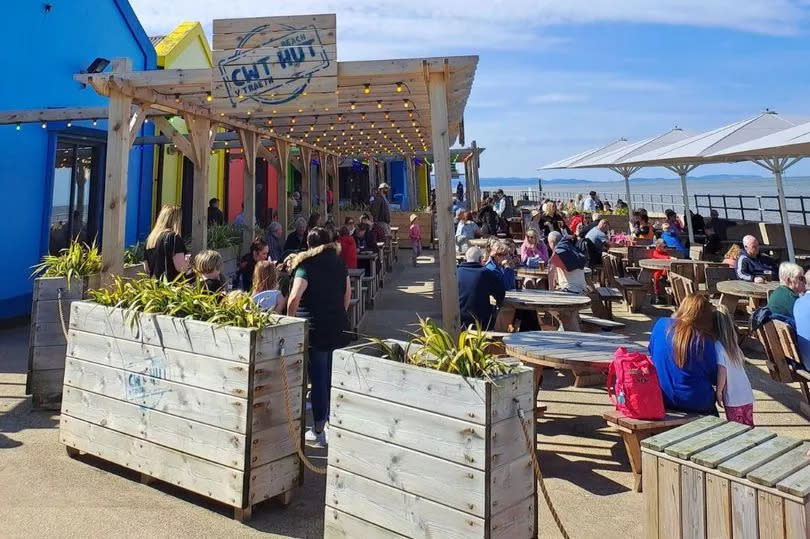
[(366, 88), (399, 87)]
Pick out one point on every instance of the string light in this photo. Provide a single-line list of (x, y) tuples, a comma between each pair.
[(387, 115), (44, 125), (69, 123), (292, 119), (209, 97), (176, 98), (19, 126), (399, 87), (367, 88), (406, 103), (410, 115), (363, 116), (353, 105), (379, 104), (340, 117)]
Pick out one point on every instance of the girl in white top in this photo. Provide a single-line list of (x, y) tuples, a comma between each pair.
[(265, 287), (734, 391)]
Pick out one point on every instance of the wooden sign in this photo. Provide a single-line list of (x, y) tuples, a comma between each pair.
[(275, 65)]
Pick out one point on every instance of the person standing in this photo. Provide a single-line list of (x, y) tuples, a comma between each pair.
[(321, 292), (215, 216), (460, 192), (380, 210), (733, 390), (500, 203), (166, 255), (415, 235), (589, 204)]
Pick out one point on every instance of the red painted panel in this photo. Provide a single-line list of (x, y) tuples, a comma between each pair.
[(272, 188)]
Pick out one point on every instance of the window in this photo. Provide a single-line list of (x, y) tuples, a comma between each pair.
[(76, 197)]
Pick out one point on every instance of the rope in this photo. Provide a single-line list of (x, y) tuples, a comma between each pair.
[(61, 313), (296, 440), (539, 474)]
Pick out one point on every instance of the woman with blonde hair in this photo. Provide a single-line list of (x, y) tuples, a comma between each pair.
[(734, 391), (683, 351), (166, 255), (265, 287)]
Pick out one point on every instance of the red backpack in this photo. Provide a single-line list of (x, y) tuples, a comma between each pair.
[(632, 386)]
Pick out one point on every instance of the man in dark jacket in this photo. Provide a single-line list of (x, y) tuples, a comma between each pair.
[(380, 211), (753, 265), (476, 285), (215, 216)]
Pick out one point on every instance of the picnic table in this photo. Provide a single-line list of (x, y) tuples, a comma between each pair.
[(371, 277), (539, 274), (656, 264), (563, 306), (586, 355), (479, 242), (732, 291)]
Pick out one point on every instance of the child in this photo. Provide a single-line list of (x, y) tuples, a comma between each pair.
[(265, 287), (415, 235), (733, 388), (209, 266), (660, 251)]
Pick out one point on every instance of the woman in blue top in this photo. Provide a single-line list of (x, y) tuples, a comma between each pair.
[(682, 349)]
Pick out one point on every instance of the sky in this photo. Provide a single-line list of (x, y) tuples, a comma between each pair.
[(557, 77)]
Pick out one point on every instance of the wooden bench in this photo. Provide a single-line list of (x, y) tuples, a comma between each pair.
[(354, 316), (632, 290), (604, 325), (607, 295), (782, 358), (633, 431)]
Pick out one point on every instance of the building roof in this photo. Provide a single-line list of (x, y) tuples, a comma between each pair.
[(155, 40), (185, 34)]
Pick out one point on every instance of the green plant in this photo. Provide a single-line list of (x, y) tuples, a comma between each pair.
[(77, 260), (135, 253), (183, 300), (469, 355), (221, 236)]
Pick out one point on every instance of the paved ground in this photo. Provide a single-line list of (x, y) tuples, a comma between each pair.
[(46, 494)]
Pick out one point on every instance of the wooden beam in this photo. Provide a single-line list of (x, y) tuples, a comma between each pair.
[(447, 245), (335, 189), (322, 183), (115, 178), (176, 137), (249, 143), (200, 135), (136, 122), (284, 209), (306, 181)]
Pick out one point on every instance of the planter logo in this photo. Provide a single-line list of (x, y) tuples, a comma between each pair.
[(144, 389), (279, 76)]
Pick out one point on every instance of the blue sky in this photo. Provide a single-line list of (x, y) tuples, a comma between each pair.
[(556, 77)]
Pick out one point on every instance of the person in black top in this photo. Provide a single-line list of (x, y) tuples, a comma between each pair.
[(215, 216), (488, 219), (297, 240), (208, 265), (321, 293), (166, 255), (244, 275)]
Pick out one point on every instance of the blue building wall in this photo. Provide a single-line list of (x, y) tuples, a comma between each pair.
[(44, 49), (399, 185)]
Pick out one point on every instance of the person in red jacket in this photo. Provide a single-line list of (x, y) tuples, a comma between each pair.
[(661, 252), (348, 248)]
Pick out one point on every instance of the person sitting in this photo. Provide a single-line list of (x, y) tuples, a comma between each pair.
[(476, 287), (732, 255), (274, 239), (606, 207), (465, 231), (792, 285), (753, 265), (674, 222), (642, 229), (683, 352), (660, 251), (566, 265), (348, 248), (672, 239), (488, 219), (575, 221), (265, 288), (533, 252), (500, 263), (598, 236), (244, 275), (364, 239), (801, 313), (297, 240), (215, 216), (313, 221), (716, 231), (376, 230), (208, 265)]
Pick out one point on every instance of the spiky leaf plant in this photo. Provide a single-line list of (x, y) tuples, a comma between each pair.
[(76, 260)]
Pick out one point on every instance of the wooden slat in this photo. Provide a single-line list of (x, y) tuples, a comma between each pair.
[(693, 509), (797, 520), (48, 357), (410, 385), (47, 288), (274, 478), (722, 452), (272, 443), (506, 439), (519, 520), (797, 483), (755, 457), (771, 512), (46, 387), (267, 375), (743, 510), (649, 481), (152, 392), (512, 392), (512, 482), (457, 441), (48, 334), (286, 336), (191, 437), (686, 448), (661, 441), (718, 507), (269, 411), (197, 475), (669, 498), (274, 24), (392, 509), (411, 471), (340, 525), (775, 470)]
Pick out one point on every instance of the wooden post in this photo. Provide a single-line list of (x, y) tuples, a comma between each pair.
[(322, 187), (336, 189), (115, 177), (249, 143), (199, 131), (283, 149), (441, 154), (372, 175), (476, 183), (306, 180)]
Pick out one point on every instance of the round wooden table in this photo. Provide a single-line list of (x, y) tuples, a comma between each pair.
[(563, 306), (732, 291), (479, 242), (534, 275), (586, 355)]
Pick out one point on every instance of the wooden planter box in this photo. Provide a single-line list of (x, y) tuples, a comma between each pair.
[(230, 261), (420, 453), (401, 219), (46, 340), (186, 402), (132, 271), (715, 479)]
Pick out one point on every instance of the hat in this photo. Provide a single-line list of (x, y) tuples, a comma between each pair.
[(383, 186), (414, 217)]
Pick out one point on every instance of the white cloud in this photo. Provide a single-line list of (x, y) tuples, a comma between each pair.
[(543, 99)]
